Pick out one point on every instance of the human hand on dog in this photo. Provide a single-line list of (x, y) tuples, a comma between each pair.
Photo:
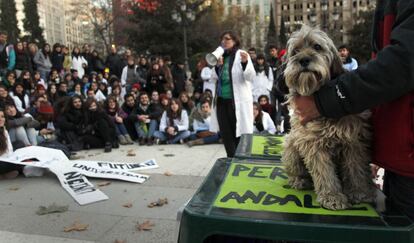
[(305, 108)]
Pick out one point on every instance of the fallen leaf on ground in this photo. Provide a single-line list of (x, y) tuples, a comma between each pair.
[(14, 188), (131, 153), (159, 203), (120, 241), (51, 209), (147, 225), (127, 205), (103, 183), (167, 173), (169, 155), (76, 227)]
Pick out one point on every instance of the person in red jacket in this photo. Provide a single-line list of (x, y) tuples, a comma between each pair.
[(385, 84)]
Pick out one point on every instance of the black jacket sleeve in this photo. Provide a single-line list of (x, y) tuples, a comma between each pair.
[(389, 76)]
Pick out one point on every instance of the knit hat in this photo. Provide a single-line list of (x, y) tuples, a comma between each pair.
[(45, 108), (40, 87), (136, 86)]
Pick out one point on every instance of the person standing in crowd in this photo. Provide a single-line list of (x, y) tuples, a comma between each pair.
[(32, 50), (118, 116), (173, 125), (165, 66), (97, 64), (23, 61), (384, 84), (79, 63), (57, 58), (263, 81), (201, 125), (142, 71), (155, 79), (114, 62), (87, 55), (208, 83), (252, 53), (233, 107), (349, 63), (129, 75), (67, 59), (263, 123), (43, 62), (7, 55), (180, 77)]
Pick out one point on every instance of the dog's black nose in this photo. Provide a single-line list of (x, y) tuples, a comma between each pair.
[(304, 62)]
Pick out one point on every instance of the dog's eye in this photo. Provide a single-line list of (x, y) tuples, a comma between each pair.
[(317, 47)]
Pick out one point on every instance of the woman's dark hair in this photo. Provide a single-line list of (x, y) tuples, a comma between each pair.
[(258, 121), (190, 103), (263, 96), (171, 115), (69, 103), (46, 54), (3, 139), (233, 35), (106, 104), (18, 113), (89, 101)]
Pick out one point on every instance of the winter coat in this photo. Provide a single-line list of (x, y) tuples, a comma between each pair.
[(57, 60), (23, 61), (242, 94), (43, 62), (115, 64), (19, 104), (386, 83)]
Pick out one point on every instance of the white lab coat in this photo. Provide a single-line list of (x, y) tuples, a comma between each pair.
[(262, 85)]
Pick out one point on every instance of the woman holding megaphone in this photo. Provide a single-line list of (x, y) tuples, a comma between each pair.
[(233, 104)]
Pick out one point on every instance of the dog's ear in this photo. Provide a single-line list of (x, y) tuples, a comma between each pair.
[(336, 67)]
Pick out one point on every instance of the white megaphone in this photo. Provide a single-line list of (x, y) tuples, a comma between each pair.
[(213, 57)]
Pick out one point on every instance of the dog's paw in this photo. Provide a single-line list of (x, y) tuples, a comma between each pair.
[(334, 201), (301, 183), (356, 197)]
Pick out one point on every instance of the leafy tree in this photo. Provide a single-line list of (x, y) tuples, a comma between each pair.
[(360, 43), (31, 22), (8, 19)]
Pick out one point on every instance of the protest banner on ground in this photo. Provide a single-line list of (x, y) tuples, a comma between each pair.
[(72, 174)]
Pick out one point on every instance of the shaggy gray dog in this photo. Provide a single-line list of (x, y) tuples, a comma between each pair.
[(331, 155)]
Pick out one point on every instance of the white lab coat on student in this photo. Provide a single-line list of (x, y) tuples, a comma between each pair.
[(268, 124), (77, 63), (262, 84), (242, 94), (208, 82)]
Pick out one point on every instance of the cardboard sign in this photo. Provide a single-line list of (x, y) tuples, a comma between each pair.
[(265, 188), (267, 145), (71, 174)]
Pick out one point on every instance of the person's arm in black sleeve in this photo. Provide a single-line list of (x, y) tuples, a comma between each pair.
[(389, 76)]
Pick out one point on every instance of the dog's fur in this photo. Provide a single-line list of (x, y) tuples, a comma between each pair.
[(331, 155)]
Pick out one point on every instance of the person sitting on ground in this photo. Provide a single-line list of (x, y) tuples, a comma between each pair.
[(44, 116), (118, 116), (7, 170), (263, 124), (21, 99), (173, 124), (148, 116), (264, 102), (100, 129), (21, 127), (201, 125), (130, 108)]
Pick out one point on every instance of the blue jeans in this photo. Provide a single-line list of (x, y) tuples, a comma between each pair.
[(24, 135), (120, 129), (163, 136), (207, 140), (151, 128), (44, 75)]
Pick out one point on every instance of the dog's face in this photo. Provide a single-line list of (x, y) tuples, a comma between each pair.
[(312, 59)]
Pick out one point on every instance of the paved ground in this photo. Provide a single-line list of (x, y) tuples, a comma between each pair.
[(108, 220)]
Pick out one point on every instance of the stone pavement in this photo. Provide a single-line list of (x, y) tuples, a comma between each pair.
[(108, 220)]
